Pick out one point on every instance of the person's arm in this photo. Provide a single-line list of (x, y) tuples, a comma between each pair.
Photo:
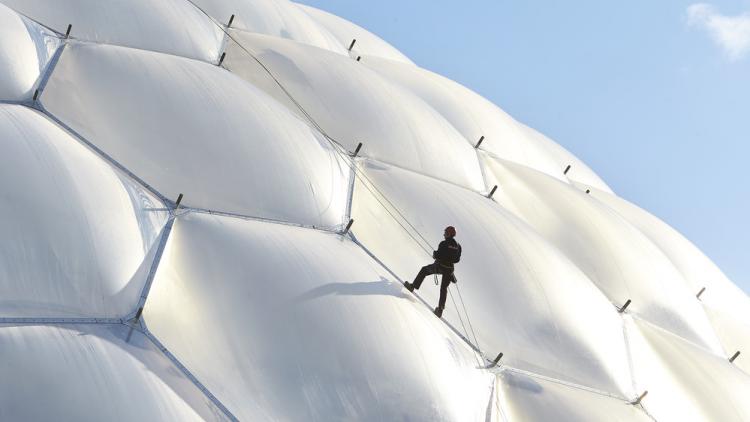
[(442, 249)]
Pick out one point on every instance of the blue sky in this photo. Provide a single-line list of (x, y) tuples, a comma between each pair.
[(653, 95)]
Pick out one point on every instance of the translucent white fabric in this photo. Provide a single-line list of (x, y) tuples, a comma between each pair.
[(279, 18), (686, 383), (623, 262), (354, 104), (258, 308), (188, 127), (77, 236), (90, 373), (523, 297), (368, 44), (473, 116), (283, 323), (169, 26), (523, 398), (25, 49)]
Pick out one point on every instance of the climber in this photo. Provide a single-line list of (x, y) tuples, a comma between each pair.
[(448, 253)]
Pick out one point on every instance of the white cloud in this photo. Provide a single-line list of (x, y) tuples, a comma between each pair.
[(731, 33)]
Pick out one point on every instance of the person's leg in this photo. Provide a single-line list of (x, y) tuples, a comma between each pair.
[(445, 282), (424, 272)]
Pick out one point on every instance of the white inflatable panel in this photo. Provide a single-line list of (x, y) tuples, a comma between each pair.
[(623, 262), (89, 373), (523, 398), (77, 237), (168, 26), (278, 18), (189, 127), (368, 44), (25, 49), (524, 298), (283, 323), (686, 383), (472, 115), (355, 104)]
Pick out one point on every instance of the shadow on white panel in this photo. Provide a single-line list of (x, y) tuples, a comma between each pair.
[(523, 398)]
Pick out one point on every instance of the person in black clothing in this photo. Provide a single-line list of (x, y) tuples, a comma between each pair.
[(448, 254)]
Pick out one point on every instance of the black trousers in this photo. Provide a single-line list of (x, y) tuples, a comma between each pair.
[(447, 278)]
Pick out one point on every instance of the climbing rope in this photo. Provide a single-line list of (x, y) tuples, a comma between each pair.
[(467, 314)]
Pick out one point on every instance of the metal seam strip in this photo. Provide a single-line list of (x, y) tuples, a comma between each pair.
[(350, 193), (256, 218), (44, 78), (629, 355), (185, 371), (59, 321), (488, 412), (154, 266)]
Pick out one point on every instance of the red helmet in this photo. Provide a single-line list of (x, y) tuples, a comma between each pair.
[(450, 231)]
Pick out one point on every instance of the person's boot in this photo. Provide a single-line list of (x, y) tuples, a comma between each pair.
[(409, 286), (439, 312)]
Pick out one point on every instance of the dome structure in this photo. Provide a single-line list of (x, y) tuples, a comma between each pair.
[(208, 209)]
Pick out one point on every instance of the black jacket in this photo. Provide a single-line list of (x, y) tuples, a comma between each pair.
[(448, 253)]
